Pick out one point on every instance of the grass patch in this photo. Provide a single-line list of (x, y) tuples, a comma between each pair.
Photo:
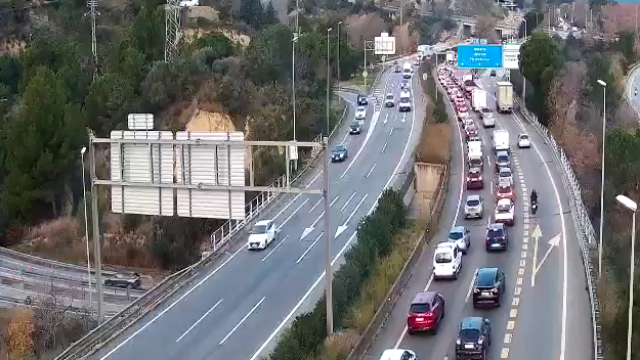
[(373, 293), (358, 81)]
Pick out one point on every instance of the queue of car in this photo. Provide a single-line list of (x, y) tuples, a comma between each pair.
[(428, 308)]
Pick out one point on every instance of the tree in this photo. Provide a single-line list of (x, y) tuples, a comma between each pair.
[(270, 17), (220, 45), (20, 331), (599, 68), (268, 57), (531, 21), (10, 72), (108, 103), (41, 146), (251, 13), (174, 242), (148, 32), (627, 46)]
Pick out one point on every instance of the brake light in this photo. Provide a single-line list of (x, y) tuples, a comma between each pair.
[(468, 178), (479, 178)]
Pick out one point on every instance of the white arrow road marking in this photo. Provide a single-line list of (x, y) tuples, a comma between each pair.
[(553, 243), (306, 232), (535, 235), (343, 227), (404, 118)]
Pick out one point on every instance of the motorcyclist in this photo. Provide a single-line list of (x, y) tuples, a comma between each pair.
[(534, 196), (635, 91)]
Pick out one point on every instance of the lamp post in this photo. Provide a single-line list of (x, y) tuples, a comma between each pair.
[(633, 206), (328, 77), (604, 124), (294, 42), (327, 212), (86, 226), (338, 51), (524, 80)]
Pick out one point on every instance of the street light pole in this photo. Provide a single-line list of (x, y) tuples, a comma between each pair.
[(86, 227), (328, 268), (604, 124), (633, 206), (338, 50), (328, 77), (96, 231), (293, 81), (524, 79)]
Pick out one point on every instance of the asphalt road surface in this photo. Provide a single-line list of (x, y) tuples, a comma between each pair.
[(545, 315), (237, 309)]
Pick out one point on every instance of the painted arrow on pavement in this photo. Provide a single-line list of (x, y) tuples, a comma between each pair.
[(553, 243)]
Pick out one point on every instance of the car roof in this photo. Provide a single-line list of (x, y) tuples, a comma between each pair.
[(389, 94), (263, 222), (521, 135), (496, 226), (472, 322), (393, 354), (446, 245), (504, 168), (340, 146), (473, 197), (502, 152), (423, 297), (504, 202), (456, 229)]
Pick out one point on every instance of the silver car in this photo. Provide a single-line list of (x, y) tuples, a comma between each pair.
[(361, 113), (389, 101), (505, 176), (474, 207)]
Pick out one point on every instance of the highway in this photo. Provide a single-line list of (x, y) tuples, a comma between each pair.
[(545, 313), (238, 307), (633, 83)]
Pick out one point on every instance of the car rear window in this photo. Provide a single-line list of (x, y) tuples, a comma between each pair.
[(467, 335), (494, 233), (504, 207), (504, 190), (486, 279), (524, 137), (420, 308), (455, 235), (443, 257), (505, 172), (503, 158), (473, 202)]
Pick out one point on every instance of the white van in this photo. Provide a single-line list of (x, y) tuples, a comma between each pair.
[(500, 140), (407, 70), (447, 261)]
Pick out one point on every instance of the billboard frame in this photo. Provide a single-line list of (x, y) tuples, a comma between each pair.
[(476, 65)]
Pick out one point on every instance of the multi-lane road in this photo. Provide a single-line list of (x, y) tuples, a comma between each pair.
[(237, 309), (545, 313), (632, 84)]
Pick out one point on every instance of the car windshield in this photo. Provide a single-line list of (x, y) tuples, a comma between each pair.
[(339, 148), (485, 279), (404, 100), (443, 257), (469, 335), (389, 96), (259, 229), (455, 235), (504, 206), (473, 202), (420, 308)]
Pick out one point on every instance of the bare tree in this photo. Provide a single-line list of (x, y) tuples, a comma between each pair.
[(364, 27), (564, 96), (405, 42)]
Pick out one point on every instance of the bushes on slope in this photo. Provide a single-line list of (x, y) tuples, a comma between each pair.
[(375, 233)]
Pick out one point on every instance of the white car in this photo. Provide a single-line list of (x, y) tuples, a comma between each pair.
[(505, 176), (361, 113), (189, 3), (488, 120), (398, 354), (447, 261), (524, 141), (473, 207), (389, 101), (262, 234), (505, 212)]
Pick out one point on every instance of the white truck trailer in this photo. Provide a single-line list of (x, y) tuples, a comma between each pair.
[(504, 97), (478, 99)]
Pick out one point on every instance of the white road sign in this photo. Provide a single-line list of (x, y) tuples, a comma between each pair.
[(385, 44), (511, 56)]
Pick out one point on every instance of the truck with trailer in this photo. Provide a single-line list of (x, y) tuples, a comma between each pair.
[(504, 97)]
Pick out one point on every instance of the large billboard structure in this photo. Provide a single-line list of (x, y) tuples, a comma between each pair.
[(489, 56)]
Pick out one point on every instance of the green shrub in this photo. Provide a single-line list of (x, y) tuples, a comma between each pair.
[(375, 234)]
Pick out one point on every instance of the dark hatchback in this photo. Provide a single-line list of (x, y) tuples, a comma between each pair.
[(362, 100), (488, 287), (355, 128), (339, 153), (497, 237), (474, 339)]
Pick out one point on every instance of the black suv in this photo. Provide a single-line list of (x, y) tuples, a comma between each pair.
[(488, 287), (362, 100), (474, 338), (497, 237)]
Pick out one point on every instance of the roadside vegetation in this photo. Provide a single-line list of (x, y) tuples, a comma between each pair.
[(563, 91), (378, 233)]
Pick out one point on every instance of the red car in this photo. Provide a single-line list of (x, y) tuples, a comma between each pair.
[(426, 312), (470, 131), (462, 108), (505, 192), (474, 179)]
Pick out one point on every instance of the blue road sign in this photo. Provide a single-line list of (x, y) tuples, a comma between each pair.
[(479, 56)]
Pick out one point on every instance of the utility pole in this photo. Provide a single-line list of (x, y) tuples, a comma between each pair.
[(172, 29), (92, 4), (97, 247)]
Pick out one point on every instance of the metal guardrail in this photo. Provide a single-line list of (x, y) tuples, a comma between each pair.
[(114, 326), (582, 223), (35, 260)]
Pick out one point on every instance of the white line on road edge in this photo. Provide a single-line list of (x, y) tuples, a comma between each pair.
[(199, 320), (275, 248), (354, 210), (344, 248), (563, 330), (309, 248), (475, 274), (242, 321)]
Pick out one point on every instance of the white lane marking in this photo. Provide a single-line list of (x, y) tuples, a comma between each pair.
[(384, 147), (309, 248), (354, 210), (370, 171), (316, 205), (334, 200), (344, 139), (488, 161), (199, 320), (391, 131), (275, 248), (455, 218), (311, 182), (293, 214), (491, 187), (563, 331), (315, 222), (242, 321), (348, 201), (374, 121), (473, 278), (386, 117), (187, 293), (344, 248)]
